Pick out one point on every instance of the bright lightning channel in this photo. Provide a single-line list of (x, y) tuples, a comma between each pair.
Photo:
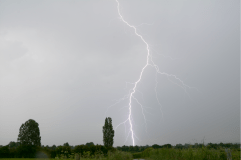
[(149, 62)]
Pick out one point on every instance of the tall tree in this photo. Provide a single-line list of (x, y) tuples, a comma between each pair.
[(29, 133), (108, 133)]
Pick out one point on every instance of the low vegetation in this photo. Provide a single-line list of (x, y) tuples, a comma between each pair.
[(191, 153), (29, 146)]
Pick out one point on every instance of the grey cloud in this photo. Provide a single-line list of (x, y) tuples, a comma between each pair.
[(12, 50), (70, 60)]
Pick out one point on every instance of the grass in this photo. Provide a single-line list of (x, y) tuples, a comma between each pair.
[(190, 154), (161, 154), (47, 159), (119, 155)]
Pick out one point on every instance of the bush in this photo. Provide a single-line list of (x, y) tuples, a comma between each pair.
[(4, 152), (147, 152), (119, 155), (164, 153), (137, 155), (99, 154), (188, 154), (223, 156)]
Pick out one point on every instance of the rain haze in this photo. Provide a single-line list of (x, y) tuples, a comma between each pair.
[(66, 63)]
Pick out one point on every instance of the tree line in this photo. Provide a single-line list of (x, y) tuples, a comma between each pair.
[(15, 150), (179, 146), (28, 145)]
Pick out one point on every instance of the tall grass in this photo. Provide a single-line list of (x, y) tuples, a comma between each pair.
[(188, 154), (155, 154), (119, 155)]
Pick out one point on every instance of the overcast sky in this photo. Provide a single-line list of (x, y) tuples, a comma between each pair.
[(63, 63)]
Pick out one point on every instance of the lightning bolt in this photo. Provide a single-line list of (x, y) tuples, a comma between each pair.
[(149, 62)]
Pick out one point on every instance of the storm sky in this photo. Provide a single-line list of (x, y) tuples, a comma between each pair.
[(64, 63)]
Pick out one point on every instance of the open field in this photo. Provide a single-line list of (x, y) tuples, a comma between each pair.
[(46, 159), (160, 154), (190, 154)]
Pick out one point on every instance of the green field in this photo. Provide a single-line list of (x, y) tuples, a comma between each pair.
[(49, 159), (189, 154), (46, 159), (161, 154)]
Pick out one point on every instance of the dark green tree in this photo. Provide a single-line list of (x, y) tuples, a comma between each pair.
[(65, 150), (4, 152), (29, 133), (79, 149), (89, 144), (66, 144), (53, 147), (108, 133), (13, 144), (155, 146), (131, 148), (29, 139), (167, 146)]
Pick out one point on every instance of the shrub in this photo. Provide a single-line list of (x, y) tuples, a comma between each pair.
[(147, 152), (222, 156), (163, 153), (99, 154), (119, 155), (137, 155), (86, 154)]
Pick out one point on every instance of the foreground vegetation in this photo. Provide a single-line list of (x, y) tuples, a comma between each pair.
[(189, 154), (29, 146), (204, 153)]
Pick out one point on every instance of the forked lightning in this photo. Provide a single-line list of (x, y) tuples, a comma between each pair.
[(149, 62)]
